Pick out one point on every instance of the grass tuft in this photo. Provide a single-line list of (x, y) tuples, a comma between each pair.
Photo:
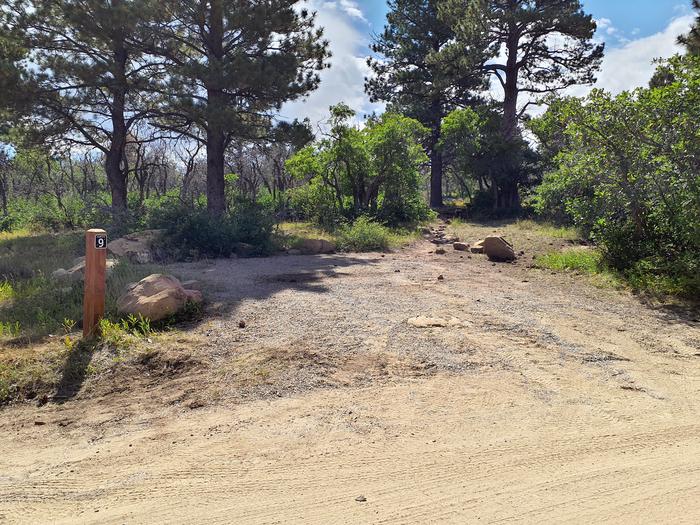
[(577, 259)]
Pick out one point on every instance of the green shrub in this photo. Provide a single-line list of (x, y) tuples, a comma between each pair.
[(193, 233), (364, 235), (624, 172)]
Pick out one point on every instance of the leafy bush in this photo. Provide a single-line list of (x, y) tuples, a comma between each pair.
[(191, 233), (364, 235), (373, 171), (625, 172)]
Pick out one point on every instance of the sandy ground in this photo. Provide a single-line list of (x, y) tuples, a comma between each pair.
[(532, 398)]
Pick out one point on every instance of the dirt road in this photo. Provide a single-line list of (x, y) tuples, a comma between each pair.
[(364, 389)]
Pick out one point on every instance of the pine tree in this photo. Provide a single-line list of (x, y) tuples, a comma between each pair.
[(418, 78), (89, 76), (546, 47), (231, 64), (12, 74), (691, 41)]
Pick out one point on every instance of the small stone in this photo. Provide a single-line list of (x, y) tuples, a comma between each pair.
[(461, 246), (361, 499), (441, 277), (440, 251), (241, 324), (39, 423)]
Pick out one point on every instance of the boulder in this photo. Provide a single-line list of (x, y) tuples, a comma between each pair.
[(498, 249), (76, 272), (316, 246), (478, 247), (461, 246), (156, 297), (139, 247)]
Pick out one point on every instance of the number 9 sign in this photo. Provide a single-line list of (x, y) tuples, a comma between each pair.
[(100, 242)]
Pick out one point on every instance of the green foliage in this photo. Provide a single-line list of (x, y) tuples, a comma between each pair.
[(420, 75), (34, 304), (625, 173), (482, 162), (122, 334), (192, 233), (373, 171), (364, 235), (691, 41), (582, 260)]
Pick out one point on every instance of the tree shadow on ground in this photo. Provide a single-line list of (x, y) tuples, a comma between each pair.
[(685, 312), (228, 282), (225, 283), (74, 371)]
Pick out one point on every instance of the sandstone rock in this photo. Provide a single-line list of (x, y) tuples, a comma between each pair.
[(137, 247), (478, 247), (316, 246), (461, 246), (498, 249), (156, 297), (427, 322), (76, 272)]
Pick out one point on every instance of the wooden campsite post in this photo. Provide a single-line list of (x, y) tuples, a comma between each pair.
[(95, 280)]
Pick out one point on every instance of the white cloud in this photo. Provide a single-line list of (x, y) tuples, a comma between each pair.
[(631, 64), (347, 30)]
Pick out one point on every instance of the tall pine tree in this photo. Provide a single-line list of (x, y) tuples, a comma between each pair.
[(89, 75), (691, 41), (231, 64), (415, 74), (534, 47)]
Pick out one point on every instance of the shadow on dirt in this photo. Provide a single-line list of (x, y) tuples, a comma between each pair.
[(227, 282), (74, 371)]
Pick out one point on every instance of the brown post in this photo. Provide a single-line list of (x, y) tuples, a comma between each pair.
[(95, 280)]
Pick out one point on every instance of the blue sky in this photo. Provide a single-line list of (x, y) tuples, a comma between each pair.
[(632, 17), (635, 32)]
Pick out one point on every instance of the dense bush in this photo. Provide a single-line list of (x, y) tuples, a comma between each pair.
[(245, 229), (626, 171), (374, 171), (363, 235)]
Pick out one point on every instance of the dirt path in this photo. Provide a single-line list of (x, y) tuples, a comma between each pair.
[(537, 398)]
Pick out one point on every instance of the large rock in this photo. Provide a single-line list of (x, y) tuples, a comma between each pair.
[(498, 249), (156, 297), (139, 247), (316, 246), (76, 272), (478, 247)]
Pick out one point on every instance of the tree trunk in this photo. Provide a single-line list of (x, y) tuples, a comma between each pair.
[(435, 167), (115, 158), (216, 137), (3, 195), (508, 196), (216, 191), (116, 179)]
